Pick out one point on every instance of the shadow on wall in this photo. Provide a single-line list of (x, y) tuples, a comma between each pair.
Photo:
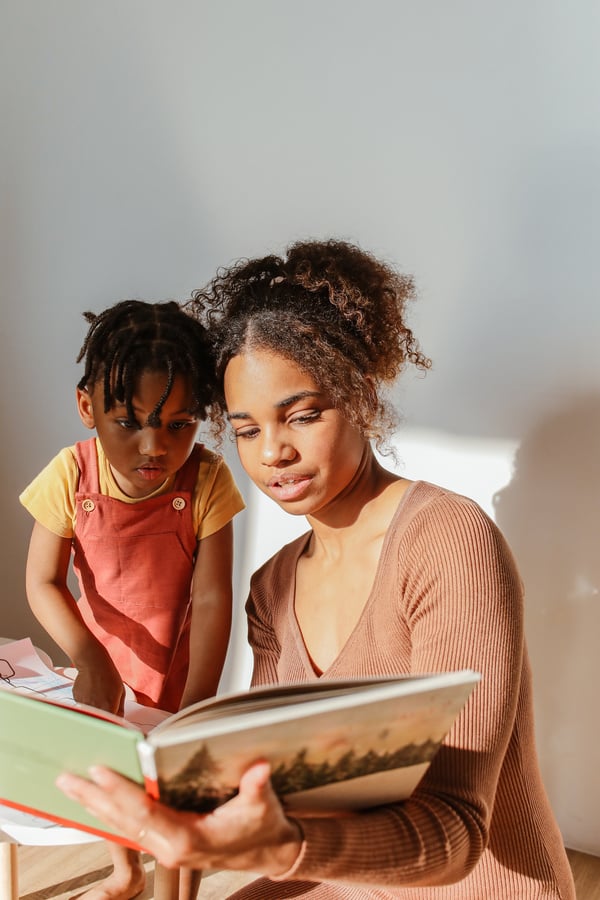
[(16, 619), (550, 514)]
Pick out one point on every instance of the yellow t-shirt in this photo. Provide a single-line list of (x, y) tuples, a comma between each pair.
[(50, 498)]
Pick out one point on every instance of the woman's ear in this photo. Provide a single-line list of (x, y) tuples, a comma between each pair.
[(85, 408)]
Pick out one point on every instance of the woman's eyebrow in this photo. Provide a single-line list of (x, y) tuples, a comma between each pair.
[(281, 404), (295, 398)]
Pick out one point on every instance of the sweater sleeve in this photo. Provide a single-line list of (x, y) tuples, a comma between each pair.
[(451, 579)]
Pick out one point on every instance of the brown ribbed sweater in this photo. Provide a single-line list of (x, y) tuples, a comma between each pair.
[(446, 596)]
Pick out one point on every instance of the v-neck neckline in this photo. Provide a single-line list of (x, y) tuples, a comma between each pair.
[(310, 668)]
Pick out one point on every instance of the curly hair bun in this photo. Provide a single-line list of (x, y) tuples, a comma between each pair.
[(330, 306)]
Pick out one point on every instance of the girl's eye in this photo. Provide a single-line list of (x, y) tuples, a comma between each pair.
[(179, 426), (125, 423)]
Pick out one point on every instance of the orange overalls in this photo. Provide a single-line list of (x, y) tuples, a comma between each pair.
[(134, 563)]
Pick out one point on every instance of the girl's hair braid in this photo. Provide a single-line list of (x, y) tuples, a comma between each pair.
[(334, 309), (133, 337)]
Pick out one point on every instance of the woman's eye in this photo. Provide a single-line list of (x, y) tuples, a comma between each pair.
[(305, 418), (248, 434)]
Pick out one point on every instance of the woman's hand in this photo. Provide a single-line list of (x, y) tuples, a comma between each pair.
[(249, 833)]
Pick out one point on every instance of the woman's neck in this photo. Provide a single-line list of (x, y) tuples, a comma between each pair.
[(364, 508)]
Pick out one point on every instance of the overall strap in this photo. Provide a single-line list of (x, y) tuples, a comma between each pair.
[(87, 461), (186, 478)]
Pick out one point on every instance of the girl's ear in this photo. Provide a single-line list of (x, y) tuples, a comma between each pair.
[(85, 409)]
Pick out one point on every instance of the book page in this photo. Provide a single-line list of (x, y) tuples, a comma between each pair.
[(22, 666), (271, 696), (25, 667)]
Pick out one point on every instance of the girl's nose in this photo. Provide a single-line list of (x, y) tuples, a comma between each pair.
[(152, 442)]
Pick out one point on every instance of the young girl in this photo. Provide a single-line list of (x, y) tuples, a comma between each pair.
[(146, 513), (393, 577)]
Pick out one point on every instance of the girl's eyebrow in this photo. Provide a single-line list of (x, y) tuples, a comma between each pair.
[(281, 404), (179, 412)]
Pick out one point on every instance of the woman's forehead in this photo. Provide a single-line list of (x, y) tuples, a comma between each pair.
[(272, 375)]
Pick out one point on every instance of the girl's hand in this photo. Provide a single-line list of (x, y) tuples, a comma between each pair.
[(99, 684), (249, 833)]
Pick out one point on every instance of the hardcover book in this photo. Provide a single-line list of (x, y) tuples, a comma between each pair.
[(332, 745)]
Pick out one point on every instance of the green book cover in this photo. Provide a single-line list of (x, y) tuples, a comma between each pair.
[(40, 739)]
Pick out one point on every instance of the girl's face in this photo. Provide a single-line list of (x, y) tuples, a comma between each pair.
[(142, 456), (292, 443)]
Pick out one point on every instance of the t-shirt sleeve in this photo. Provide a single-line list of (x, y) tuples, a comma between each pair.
[(217, 498), (50, 498)]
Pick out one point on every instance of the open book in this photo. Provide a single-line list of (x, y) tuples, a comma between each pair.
[(332, 745)]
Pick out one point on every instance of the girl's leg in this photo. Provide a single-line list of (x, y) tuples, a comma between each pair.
[(127, 880)]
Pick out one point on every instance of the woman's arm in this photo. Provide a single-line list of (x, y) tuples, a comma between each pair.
[(98, 682), (210, 626)]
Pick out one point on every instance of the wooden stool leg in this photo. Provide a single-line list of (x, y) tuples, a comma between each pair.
[(9, 871), (166, 883), (189, 883)]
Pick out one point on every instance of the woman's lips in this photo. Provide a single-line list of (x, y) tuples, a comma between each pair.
[(289, 487)]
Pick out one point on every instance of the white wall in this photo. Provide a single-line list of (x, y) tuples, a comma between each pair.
[(146, 142)]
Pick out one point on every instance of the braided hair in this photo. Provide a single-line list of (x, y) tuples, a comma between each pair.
[(133, 337), (329, 306)]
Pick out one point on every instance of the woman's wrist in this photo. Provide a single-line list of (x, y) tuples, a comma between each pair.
[(285, 855)]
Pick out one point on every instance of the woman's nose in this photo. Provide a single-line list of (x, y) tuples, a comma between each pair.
[(274, 451)]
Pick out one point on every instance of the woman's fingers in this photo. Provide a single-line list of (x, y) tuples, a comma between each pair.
[(251, 831), (256, 780), (126, 808)]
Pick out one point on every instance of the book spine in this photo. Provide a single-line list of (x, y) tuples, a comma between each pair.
[(148, 766)]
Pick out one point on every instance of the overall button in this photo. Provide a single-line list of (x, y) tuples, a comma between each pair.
[(178, 503), (88, 505)]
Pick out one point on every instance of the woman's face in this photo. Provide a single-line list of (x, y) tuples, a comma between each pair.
[(292, 443)]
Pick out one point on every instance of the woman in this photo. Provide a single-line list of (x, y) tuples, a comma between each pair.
[(393, 577)]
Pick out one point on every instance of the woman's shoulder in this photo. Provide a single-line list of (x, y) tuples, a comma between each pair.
[(433, 519), (431, 506), (421, 494)]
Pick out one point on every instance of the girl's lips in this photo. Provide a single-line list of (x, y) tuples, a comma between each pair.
[(150, 473), (289, 487)]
